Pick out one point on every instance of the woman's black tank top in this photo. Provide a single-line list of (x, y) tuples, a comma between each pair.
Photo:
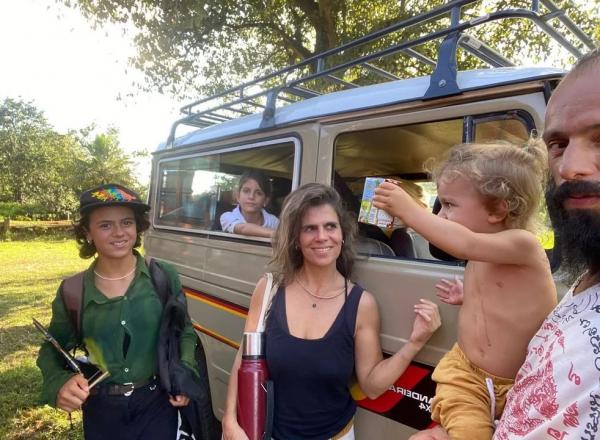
[(311, 376)]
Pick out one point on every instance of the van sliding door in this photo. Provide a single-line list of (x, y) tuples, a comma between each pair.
[(396, 265)]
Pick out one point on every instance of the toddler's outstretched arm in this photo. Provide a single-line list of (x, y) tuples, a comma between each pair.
[(510, 246)]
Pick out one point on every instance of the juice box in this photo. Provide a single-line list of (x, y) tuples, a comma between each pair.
[(374, 216)]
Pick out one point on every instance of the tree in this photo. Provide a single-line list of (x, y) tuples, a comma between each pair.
[(206, 46), (101, 160), (39, 166), (33, 157)]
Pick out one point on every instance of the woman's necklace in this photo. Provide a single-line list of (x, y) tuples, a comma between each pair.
[(314, 295), (118, 278)]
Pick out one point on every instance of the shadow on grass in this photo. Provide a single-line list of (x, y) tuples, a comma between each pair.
[(21, 414), (9, 304), (26, 282), (18, 338), (23, 296)]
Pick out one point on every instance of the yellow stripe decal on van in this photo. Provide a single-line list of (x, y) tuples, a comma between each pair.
[(217, 336), (215, 302)]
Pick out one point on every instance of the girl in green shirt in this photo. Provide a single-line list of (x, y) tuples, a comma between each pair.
[(120, 324)]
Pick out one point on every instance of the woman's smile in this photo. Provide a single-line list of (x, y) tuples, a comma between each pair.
[(320, 236)]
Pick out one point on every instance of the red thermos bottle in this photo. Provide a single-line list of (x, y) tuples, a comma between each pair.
[(255, 391)]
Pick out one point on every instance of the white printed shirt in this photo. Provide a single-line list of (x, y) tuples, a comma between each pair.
[(557, 390), (231, 218)]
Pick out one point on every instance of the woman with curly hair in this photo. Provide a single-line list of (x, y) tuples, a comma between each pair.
[(321, 327)]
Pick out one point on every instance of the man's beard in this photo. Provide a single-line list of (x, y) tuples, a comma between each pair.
[(577, 231)]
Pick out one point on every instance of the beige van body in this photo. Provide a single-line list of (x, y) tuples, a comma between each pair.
[(219, 270), (391, 129)]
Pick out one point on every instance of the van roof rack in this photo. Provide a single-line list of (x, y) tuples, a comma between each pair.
[(292, 84)]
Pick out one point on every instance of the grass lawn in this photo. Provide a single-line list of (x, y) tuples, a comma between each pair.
[(30, 272)]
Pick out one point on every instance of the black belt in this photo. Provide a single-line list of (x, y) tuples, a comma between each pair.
[(125, 389)]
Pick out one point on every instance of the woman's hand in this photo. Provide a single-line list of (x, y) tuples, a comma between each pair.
[(179, 400), (426, 323), (232, 430), (450, 292), (73, 393)]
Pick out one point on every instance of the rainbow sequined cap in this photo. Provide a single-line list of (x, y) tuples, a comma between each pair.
[(110, 194)]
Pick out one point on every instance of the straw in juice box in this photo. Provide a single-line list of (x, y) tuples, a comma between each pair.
[(374, 216)]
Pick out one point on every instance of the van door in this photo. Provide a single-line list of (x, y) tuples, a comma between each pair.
[(396, 266)]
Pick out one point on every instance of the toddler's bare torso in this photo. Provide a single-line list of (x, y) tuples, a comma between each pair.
[(503, 307)]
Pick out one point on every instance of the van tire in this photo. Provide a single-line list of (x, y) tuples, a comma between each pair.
[(210, 425)]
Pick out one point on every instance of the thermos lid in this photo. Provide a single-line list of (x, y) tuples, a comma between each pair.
[(253, 344)]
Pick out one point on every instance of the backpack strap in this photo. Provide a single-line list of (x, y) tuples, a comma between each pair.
[(71, 293), (159, 280)]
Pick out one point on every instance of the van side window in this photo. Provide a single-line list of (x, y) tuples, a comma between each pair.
[(193, 191), (407, 153)]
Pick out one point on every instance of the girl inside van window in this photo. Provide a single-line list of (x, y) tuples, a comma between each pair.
[(321, 328), (250, 216)]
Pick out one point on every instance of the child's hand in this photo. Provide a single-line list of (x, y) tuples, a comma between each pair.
[(393, 199), (426, 323), (450, 292)]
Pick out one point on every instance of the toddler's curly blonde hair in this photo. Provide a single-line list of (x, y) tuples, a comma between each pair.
[(502, 171)]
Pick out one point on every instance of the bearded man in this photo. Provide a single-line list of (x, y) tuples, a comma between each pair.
[(556, 394)]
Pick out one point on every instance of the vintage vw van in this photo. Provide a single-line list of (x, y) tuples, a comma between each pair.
[(310, 123)]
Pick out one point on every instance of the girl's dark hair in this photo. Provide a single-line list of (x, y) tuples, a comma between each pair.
[(260, 178), (287, 258), (88, 250)]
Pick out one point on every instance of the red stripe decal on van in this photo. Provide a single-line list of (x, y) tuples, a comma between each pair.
[(213, 299), (407, 401), (411, 377)]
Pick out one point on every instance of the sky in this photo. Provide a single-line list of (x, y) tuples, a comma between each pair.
[(75, 74)]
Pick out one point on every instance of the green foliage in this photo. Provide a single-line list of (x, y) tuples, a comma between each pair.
[(35, 270), (101, 160), (24, 211), (33, 158), (188, 46), (43, 172), (38, 230)]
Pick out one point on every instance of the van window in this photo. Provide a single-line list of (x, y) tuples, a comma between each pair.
[(405, 153), (193, 191)]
